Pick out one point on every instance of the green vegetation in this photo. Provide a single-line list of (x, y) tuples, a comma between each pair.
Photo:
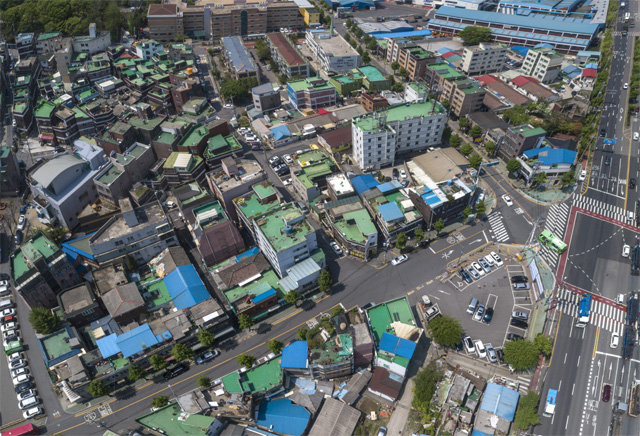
[(490, 147), (521, 354), (275, 346), (44, 321), (325, 281), (157, 362), (243, 121), (262, 49), (475, 132), (203, 381), (426, 381), (513, 165), (238, 89), (481, 208), (455, 141), (467, 212), (246, 360), (182, 352), (445, 331), (540, 178), (97, 389), (136, 373), (206, 338), (568, 178), (527, 411), (401, 241), (159, 401), (475, 160), (245, 321), (544, 344), (472, 35), (466, 150), (438, 226), (291, 297), (418, 234)]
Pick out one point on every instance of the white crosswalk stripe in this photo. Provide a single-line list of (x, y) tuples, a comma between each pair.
[(556, 223), (602, 315), (497, 227), (608, 210)]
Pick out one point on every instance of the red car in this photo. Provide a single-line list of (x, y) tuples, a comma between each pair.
[(606, 393), (8, 318)]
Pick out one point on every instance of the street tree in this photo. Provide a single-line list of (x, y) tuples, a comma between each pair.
[(521, 354), (568, 178), (418, 234), (43, 320), (136, 372), (157, 362), (245, 321), (438, 226), (325, 281), (475, 132), (467, 212), (466, 150), (159, 401), (301, 334), (206, 338), (481, 208), (445, 331), (182, 352), (291, 297), (275, 346), (472, 35), (463, 123), (490, 147), (372, 45), (544, 344), (527, 411), (203, 381), (246, 360), (475, 160), (366, 57), (513, 165), (244, 121), (97, 389), (540, 178), (455, 141), (401, 241), (394, 66)]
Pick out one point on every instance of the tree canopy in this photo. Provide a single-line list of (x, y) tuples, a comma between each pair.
[(527, 412), (97, 389), (475, 160), (246, 360), (472, 35), (275, 346), (237, 88), (182, 352), (438, 225), (513, 165), (325, 281), (475, 132), (445, 331), (455, 141), (43, 320), (245, 321), (521, 354), (466, 150), (159, 401), (206, 338), (426, 381), (157, 362), (136, 372)]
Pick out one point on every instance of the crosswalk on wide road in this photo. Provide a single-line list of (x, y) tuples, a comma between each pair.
[(603, 315), (497, 227), (609, 210), (556, 223)]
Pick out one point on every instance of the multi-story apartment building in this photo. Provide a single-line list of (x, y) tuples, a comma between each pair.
[(238, 60), (483, 58), (48, 43), (26, 45), (543, 64), (95, 42), (40, 271), (141, 233), (234, 178), (253, 17), (193, 21), (165, 21), (464, 95), (287, 56), (518, 139), (312, 92), (10, 178), (378, 137), (266, 97), (333, 52), (412, 58)]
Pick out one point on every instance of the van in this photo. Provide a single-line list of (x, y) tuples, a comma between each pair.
[(480, 349), (6, 304), (489, 260), (472, 306), (29, 403)]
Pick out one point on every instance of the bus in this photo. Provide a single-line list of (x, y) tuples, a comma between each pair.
[(552, 241), (23, 430), (584, 311)]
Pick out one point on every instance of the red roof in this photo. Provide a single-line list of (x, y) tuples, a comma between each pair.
[(589, 72), (287, 51), (162, 9), (448, 54), (521, 80), (323, 111), (486, 79)]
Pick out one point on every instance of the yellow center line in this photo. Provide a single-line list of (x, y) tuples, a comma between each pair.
[(555, 339), (595, 343), (190, 377)]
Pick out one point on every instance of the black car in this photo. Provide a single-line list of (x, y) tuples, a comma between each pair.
[(396, 173), (23, 387), (607, 160), (17, 238), (632, 183), (519, 279), (4, 276), (488, 315), (514, 337), (465, 276), (500, 355), (603, 132), (175, 371), (518, 323)]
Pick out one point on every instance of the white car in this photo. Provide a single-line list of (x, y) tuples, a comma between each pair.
[(468, 345), (21, 222), (288, 159), (625, 86), (626, 250), (497, 259), (615, 340), (20, 379), (482, 352), (228, 106), (400, 259), (9, 326), (287, 182), (10, 335), (27, 394), (403, 174), (34, 411), (636, 136), (336, 248), (583, 175), (507, 200), (7, 312), (17, 364), (15, 356), (478, 268), (19, 372)]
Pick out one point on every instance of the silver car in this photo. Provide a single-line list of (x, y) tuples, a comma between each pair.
[(491, 353)]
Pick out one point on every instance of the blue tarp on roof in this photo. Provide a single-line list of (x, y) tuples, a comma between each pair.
[(294, 355), (137, 340), (363, 183), (592, 65), (408, 34), (479, 433), (430, 197), (389, 186), (444, 50), (282, 416), (398, 346), (186, 287), (390, 212), (263, 296), (551, 156), (500, 400), (280, 132), (251, 252), (108, 346), (521, 50)]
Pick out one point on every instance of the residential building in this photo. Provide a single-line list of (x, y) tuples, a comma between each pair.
[(285, 237), (117, 137), (95, 42), (373, 102), (216, 237), (534, 90), (63, 186), (519, 139), (165, 21), (234, 178), (413, 58), (22, 112), (147, 49), (79, 305), (463, 95), (500, 96), (221, 147), (141, 233), (48, 43), (115, 180), (351, 226), (188, 197), (69, 124), (309, 173), (415, 92), (472, 5), (26, 45), (254, 17), (266, 97), (379, 137), (336, 140), (261, 199), (483, 58), (179, 168), (554, 162), (312, 93), (10, 177), (194, 22), (331, 358), (238, 60), (40, 271), (43, 112), (124, 303), (287, 56), (543, 64), (367, 76), (565, 34), (332, 51)]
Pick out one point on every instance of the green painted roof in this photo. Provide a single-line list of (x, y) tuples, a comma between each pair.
[(382, 315), (273, 224), (44, 109), (528, 131), (48, 35), (257, 379), (109, 176), (219, 145), (401, 112), (32, 249), (372, 73), (356, 226), (194, 136), (252, 206), (166, 420), (268, 280), (56, 345), (446, 71), (304, 84)]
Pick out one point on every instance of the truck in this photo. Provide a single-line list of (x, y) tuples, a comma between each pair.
[(635, 260), (550, 405), (584, 311)]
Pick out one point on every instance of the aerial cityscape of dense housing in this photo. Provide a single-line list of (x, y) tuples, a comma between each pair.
[(319, 217)]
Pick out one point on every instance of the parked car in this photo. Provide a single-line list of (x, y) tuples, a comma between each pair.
[(518, 323), (27, 394), (497, 259), (21, 222), (465, 276), (336, 248), (17, 364), (519, 279), (400, 259), (468, 345), (20, 379), (520, 315), (4, 276), (34, 411), (478, 268), (500, 355), (29, 403), (274, 161), (480, 349), (175, 371), (472, 271), (287, 182), (19, 372), (485, 266), (582, 176), (288, 159), (403, 174), (626, 250), (514, 337), (479, 313), (520, 286), (207, 356), (615, 340), (9, 326), (382, 431), (632, 183), (21, 387), (488, 315), (491, 353), (7, 312), (17, 238)]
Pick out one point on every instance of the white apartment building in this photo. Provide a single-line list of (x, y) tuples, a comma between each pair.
[(379, 137), (473, 5), (333, 52), (543, 64), (483, 59)]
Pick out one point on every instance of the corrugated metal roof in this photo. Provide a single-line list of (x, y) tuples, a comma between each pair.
[(294, 355)]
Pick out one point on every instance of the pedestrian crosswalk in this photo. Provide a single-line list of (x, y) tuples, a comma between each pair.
[(523, 384), (608, 210), (556, 222), (497, 227), (602, 315)]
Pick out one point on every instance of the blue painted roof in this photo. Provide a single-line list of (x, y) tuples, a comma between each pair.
[(393, 185), (588, 53), (263, 296), (398, 346), (250, 252), (363, 183), (390, 212), (552, 156), (592, 65), (294, 355), (431, 198), (282, 416), (500, 400), (237, 53), (540, 21), (73, 251), (108, 346), (186, 287), (280, 132), (521, 50), (444, 50), (408, 34), (137, 340), (570, 69), (479, 433)]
